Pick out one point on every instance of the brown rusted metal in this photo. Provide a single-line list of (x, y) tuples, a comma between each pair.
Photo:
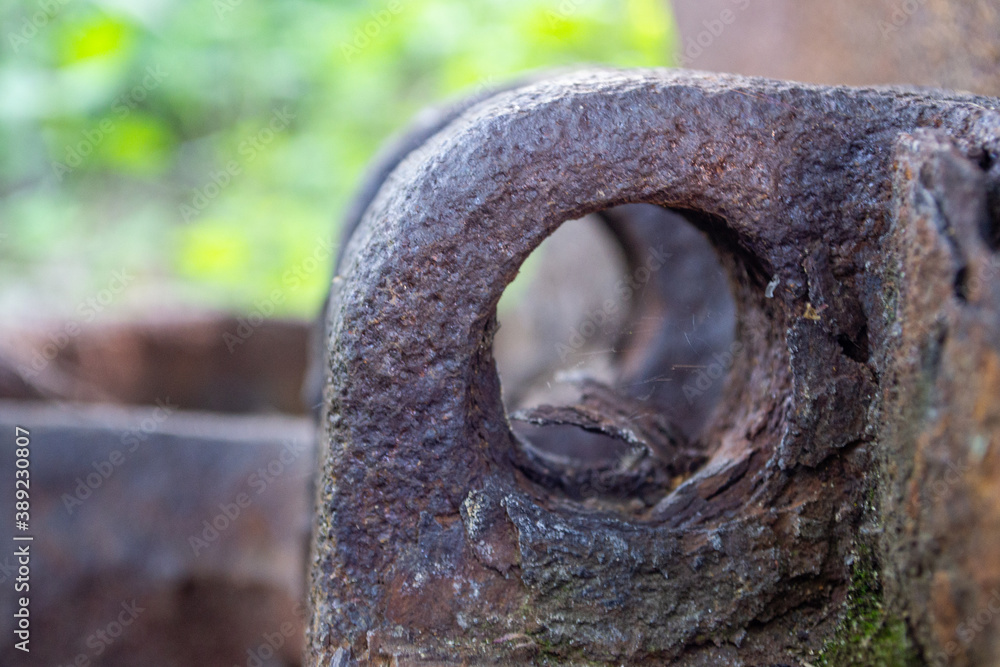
[(441, 540)]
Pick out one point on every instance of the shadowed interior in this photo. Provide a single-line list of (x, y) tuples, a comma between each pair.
[(633, 299)]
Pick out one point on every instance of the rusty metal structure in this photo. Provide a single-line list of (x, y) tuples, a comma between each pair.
[(858, 228)]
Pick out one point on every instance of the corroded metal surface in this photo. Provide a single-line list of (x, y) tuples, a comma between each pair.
[(195, 523), (434, 541), (940, 517)]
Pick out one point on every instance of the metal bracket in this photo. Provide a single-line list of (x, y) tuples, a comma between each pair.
[(433, 545)]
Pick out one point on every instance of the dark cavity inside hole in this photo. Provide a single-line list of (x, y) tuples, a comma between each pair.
[(855, 348), (993, 204), (634, 299), (962, 284), (989, 163)]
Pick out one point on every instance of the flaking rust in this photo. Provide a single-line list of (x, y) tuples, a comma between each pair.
[(852, 384)]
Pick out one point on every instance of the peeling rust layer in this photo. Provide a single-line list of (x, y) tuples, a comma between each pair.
[(652, 451), (431, 546)]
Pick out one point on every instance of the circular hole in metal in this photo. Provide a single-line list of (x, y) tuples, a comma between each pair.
[(628, 315)]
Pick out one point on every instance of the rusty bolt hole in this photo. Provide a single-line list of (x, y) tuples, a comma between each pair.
[(615, 355)]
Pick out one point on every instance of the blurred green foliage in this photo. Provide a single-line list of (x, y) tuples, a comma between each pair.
[(209, 146)]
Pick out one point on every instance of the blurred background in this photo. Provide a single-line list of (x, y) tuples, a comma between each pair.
[(206, 148)]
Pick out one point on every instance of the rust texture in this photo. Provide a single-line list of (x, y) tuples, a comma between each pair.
[(857, 228)]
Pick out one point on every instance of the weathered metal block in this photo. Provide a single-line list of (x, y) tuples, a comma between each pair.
[(159, 536), (857, 227)]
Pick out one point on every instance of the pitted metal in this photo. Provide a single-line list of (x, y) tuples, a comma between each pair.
[(432, 544)]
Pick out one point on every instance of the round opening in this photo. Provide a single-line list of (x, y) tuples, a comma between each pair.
[(614, 346)]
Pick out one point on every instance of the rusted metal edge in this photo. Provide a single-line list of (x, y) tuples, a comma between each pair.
[(428, 547)]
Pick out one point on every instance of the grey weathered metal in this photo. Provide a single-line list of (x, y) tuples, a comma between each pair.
[(439, 537)]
